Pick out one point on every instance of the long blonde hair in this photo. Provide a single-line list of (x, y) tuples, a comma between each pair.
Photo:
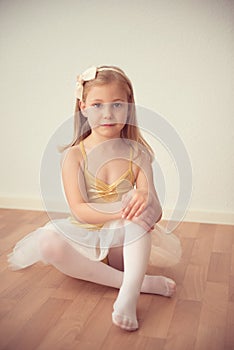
[(107, 75)]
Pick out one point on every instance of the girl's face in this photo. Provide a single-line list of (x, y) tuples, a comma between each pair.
[(106, 108)]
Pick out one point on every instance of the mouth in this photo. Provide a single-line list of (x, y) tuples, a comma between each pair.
[(108, 125)]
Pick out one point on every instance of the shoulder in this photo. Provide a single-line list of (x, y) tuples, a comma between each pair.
[(141, 160), (141, 155), (71, 156)]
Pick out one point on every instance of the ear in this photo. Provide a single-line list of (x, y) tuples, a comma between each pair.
[(82, 106)]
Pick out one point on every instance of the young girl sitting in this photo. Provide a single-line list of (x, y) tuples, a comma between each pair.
[(108, 183)]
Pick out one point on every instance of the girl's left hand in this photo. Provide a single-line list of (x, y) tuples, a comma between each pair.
[(134, 203)]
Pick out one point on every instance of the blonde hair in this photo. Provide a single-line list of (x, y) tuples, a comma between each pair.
[(107, 75)]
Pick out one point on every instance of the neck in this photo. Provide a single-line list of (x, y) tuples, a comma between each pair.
[(96, 140)]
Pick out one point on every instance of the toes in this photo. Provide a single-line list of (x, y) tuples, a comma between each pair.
[(171, 287), (124, 322)]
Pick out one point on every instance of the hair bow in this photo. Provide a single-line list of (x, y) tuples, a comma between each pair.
[(89, 74)]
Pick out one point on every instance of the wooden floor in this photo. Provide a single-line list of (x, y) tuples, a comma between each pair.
[(40, 308)]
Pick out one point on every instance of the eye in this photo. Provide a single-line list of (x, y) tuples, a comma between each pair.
[(117, 105), (96, 105)]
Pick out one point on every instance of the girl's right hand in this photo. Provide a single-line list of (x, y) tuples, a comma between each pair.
[(133, 203), (146, 219), (149, 215)]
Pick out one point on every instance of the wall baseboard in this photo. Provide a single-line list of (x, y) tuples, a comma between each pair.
[(210, 217), (202, 216), (22, 203)]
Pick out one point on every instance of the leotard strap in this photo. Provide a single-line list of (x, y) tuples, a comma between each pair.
[(83, 153)]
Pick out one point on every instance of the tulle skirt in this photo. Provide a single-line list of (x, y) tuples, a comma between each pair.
[(95, 244)]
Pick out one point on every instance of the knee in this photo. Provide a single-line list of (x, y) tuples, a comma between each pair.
[(52, 247), (133, 229)]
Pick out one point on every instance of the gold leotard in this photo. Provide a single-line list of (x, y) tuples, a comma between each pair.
[(99, 191)]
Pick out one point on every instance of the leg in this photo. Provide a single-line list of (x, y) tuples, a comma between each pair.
[(137, 246), (115, 258), (136, 255), (59, 253)]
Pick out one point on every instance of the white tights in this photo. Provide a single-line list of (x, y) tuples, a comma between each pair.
[(133, 257)]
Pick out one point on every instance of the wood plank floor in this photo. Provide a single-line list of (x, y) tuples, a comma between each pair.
[(42, 309)]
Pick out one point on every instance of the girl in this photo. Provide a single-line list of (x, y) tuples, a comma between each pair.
[(108, 183)]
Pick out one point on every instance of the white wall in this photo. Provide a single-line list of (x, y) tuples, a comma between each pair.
[(178, 54)]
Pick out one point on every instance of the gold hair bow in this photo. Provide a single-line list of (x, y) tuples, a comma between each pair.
[(89, 74)]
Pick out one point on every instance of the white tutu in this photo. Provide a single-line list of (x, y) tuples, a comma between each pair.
[(95, 245), (166, 248)]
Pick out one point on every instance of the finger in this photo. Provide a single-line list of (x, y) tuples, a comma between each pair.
[(141, 209), (133, 211), (136, 200), (126, 212), (129, 207)]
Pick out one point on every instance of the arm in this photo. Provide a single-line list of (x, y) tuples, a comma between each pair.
[(143, 203), (74, 187)]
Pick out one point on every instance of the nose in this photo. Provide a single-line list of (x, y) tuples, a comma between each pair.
[(107, 111)]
